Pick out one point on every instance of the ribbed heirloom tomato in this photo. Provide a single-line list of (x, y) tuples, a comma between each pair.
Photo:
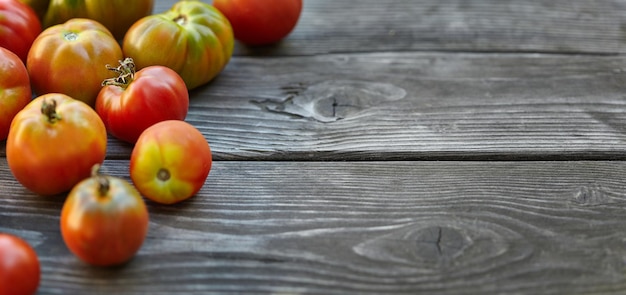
[(19, 266), (170, 162), (15, 91), (19, 26), (104, 220), (53, 143), (70, 58), (192, 38), (132, 102)]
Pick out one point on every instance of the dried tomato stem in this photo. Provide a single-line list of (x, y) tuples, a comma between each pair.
[(125, 71), (50, 111), (103, 182)]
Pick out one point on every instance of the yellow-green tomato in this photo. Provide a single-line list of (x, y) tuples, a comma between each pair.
[(170, 162), (193, 38)]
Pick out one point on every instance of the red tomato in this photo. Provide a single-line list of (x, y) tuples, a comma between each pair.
[(133, 101), (104, 220), (53, 143), (192, 38), (15, 91), (70, 58), (170, 162), (19, 266), (260, 22), (19, 26)]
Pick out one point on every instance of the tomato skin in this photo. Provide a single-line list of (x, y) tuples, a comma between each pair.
[(116, 15), (20, 271), (15, 91), (49, 158), (19, 26), (192, 38), (76, 49), (260, 22), (104, 227), (170, 162), (155, 94)]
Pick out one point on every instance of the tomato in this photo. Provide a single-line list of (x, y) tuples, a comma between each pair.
[(15, 91), (104, 220), (192, 38), (116, 15), (260, 22), (53, 143), (19, 26), (19, 266), (133, 101), (170, 162), (70, 58)]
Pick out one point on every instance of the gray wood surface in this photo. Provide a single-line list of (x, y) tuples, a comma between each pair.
[(390, 147)]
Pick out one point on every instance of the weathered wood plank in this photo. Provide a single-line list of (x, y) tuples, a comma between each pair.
[(413, 106), (360, 228), (338, 26)]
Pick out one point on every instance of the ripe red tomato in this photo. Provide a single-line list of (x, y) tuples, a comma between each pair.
[(192, 38), (260, 22), (170, 162), (70, 58), (19, 266), (53, 143), (19, 26), (104, 220), (15, 91), (116, 15), (133, 101)]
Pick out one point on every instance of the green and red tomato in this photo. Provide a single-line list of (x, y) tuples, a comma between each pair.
[(170, 162), (192, 38)]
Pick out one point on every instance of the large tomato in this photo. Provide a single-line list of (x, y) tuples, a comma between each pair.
[(104, 220), (170, 162), (116, 15), (19, 26), (53, 143), (132, 102), (192, 38), (70, 58), (19, 266), (260, 22), (15, 91)]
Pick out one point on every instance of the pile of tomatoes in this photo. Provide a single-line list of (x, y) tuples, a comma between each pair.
[(106, 67)]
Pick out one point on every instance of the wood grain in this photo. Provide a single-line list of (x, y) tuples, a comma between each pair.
[(360, 228)]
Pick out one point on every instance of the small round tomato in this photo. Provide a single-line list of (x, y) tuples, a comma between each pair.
[(192, 38), (15, 91), (19, 26), (53, 143), (19, 266), (104, 220), (170, 162), (133, 101), (260, 22), (116, 15), (70, 58)]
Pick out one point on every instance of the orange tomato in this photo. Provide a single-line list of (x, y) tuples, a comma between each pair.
[(15, 91), (19, 266), (53, 143)]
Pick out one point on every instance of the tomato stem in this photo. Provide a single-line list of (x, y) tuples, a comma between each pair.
[(163, 174), (103, 182), (125, 71), (50, 111), (181, 20)]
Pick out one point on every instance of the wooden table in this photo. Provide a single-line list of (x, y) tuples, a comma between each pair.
[(390, 147)]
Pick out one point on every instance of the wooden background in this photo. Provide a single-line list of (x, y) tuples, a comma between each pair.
[(390, 147)]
